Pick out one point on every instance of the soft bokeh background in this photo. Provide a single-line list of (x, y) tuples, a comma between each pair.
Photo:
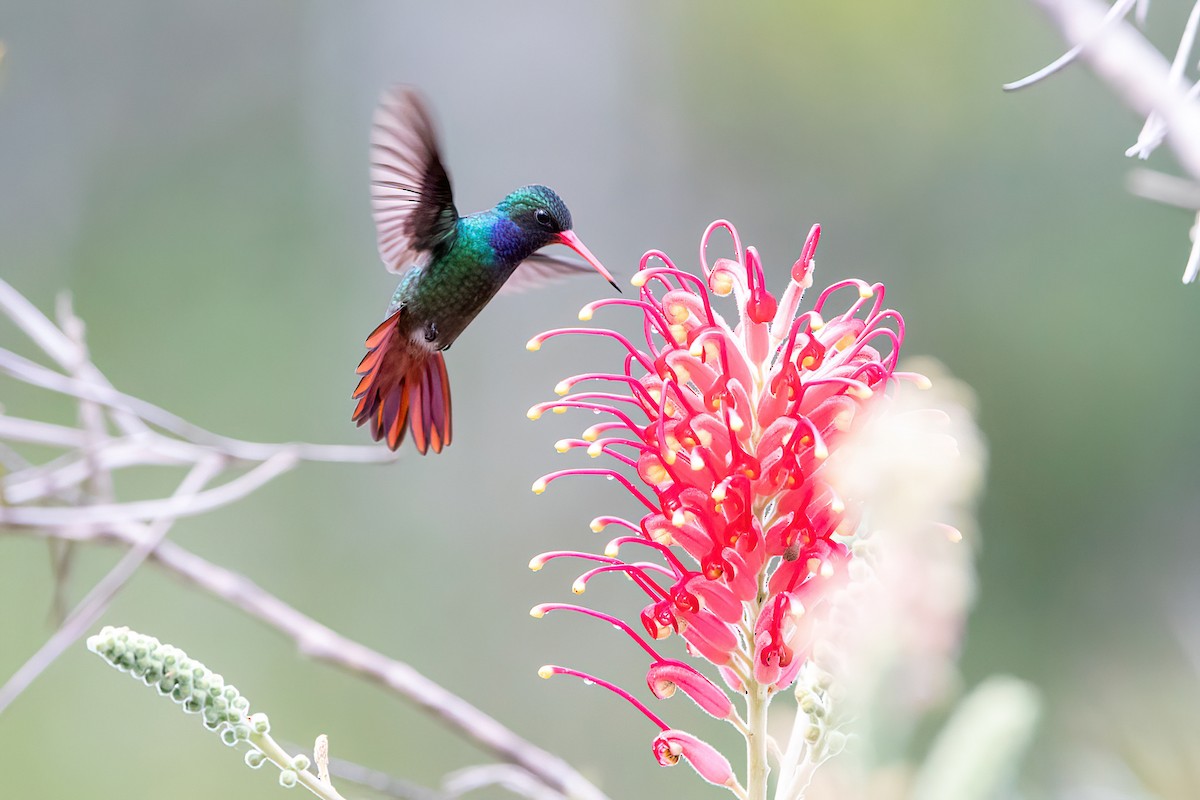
[(194, 173)]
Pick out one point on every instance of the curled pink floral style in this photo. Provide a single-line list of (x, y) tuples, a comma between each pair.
[(720, 432)]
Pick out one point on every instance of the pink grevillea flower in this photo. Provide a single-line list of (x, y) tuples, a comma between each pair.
[(720, 433)]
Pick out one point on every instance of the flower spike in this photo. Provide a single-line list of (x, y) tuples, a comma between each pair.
[(727, 447)]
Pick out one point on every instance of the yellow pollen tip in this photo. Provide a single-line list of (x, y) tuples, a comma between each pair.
[(535, 565), (537, 612), (954, 534), (820, 452), (562, 445), (718, 494), (697, 462), (817, 323), (697, 349), (595, 449), (533, 345), (862, 392), (826, 569), (639, 279), (597, 525), (837, 506), (591, 435), (721, 282), (559, 409), (866, 292), (561, 388), (678, 519), (585, 313), (539, 486), (578, 587), (534, 413), (612, 549), (546, 672), (923, 382), (677, 312), (669, 457)]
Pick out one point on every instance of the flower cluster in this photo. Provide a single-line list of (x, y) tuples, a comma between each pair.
[(201, 691), (727, 429), (196, 688)]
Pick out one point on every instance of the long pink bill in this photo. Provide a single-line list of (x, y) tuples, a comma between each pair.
[(571, 240)]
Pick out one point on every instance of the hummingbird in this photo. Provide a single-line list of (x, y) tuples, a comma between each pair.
[(450, 267)]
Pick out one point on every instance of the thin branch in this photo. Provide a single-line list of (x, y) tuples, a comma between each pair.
[(1118, 11), (35, 374), (372, 779), (505, 776), (1167, 189), (1135, 70), (93, 605), (99, 516), (324, 644), (57, 345), (1153, 131)]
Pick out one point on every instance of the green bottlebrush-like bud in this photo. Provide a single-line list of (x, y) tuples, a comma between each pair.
[(188, 682), (300, 762), (254, 759), (287, 778)]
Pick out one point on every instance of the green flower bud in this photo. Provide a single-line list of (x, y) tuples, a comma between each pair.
[(186, 681), (287, 778), (300, 762), (255, 759), (260, 723)]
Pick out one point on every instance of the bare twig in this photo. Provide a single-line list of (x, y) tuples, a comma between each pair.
[(1135, 70), (375, 780), (1142, 78), (505, 776), (92, 606), (1160, 187), (1118, 11)]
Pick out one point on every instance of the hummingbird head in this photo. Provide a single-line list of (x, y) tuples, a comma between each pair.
[(541, 218), (540, 214)]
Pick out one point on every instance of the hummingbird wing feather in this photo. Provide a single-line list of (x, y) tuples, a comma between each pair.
[(541, 269), (411, 197)]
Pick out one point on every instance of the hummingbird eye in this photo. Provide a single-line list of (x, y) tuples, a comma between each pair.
[(543, 218)]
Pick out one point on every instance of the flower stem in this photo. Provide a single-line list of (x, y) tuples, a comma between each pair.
[(757, 768), (280, 758)]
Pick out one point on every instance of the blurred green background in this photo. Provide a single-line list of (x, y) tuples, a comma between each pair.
[(194, 173)]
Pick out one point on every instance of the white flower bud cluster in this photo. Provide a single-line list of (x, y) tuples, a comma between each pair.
[(186, 681), (814, 699)]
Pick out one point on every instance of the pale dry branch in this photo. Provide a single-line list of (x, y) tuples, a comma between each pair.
[(97, 600), (1142, 78)]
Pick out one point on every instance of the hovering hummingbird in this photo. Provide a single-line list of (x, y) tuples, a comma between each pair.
[(451, 266)]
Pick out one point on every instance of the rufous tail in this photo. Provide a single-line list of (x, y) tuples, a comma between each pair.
[(403, 386)]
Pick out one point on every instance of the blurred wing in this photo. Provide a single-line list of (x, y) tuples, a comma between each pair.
[(410, 190), (540, 269)]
